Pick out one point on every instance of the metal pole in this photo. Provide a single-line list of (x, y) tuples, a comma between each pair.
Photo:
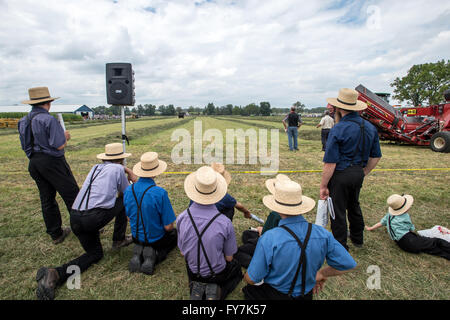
[(123, 132)]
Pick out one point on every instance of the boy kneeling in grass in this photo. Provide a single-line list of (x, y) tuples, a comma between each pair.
[(400, 229)]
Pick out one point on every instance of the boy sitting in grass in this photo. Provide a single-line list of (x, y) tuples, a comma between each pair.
[(400, 229)]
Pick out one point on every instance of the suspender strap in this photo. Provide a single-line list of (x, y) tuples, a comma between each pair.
[(139, 212), (88, 189), (200, 242), (361, 137), (302, 262), (30, 119), (391, 231)]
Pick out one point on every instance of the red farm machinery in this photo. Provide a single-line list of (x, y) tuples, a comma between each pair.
[(421, 126)]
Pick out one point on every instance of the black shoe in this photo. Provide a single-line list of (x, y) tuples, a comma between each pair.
[(358, 245), (198, 289), (122, 243), (148, 266), (47, 280), (65, 232), (212, 291), (136, 260)]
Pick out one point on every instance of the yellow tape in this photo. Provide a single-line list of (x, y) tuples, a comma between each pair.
[(279, 171)]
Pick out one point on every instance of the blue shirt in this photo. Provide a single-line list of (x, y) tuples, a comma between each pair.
[(343, 138), (156, 208), (399, 226), (47, 131), (219, 239), (225, 205), (277, 255), (109, 179)]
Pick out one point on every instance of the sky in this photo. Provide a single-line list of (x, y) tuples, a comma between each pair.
[(190, 53)]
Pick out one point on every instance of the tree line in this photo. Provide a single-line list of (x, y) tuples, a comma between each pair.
[(252, 109)]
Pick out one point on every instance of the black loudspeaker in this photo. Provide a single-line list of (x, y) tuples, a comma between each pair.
[(120, 84)]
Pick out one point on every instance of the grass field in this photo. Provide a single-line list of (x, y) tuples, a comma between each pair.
[(24, 245)]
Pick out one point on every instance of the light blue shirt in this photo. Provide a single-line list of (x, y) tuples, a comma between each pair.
[(277, 255), (156, 208), (110, 179), (400, 225)]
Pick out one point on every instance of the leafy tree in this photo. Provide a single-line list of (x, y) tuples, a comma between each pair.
[(424, 83), (210, 109), (236, 110), (265, 109), (300, 106)]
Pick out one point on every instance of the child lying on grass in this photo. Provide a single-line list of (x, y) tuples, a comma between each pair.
[(400, 229)]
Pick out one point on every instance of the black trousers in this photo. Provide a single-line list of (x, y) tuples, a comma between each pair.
[(53, 175), (344, 187), (267, 292), (163, 246), (227, 279), (247, 249), (414, 243), (324, 136), (86, 226)]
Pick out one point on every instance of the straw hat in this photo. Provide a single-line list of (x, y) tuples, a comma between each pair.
[(39, 95), (288, 199), (348, 100), (220, 168), (270, 183), (113, 151), (205, 186), (149, 166), (399, 204)]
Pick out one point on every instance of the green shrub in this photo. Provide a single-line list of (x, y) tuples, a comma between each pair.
[(18, 115)]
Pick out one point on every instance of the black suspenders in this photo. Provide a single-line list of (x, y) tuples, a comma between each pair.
[(361, 137), (200, 243), (391, 231), (302, 262), (30, 119), (88, 189), (139, 212)]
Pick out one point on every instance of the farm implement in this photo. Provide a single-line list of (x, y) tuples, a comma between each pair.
[(422, 126)]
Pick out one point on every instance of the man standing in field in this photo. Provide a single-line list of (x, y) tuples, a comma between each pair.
[(43, 140), (352, 151), (293, 123), (326, 123)]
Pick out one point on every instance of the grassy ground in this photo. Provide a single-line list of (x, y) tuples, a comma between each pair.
[(24, 245)]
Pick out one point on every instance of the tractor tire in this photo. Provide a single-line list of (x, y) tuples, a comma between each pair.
[(440, 142)]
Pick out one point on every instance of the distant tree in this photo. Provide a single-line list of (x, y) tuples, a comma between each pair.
[(149, 110), (300, 106), (316, 110), (210, 109), (251, 109), (236, 110), (265, 109), (170, 110), (191, 109), (424, 83)]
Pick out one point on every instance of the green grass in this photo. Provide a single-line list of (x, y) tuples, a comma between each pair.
[(24, 245)]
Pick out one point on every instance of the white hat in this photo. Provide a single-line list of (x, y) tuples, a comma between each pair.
[(348, 100), (149, 166), (113, 151), (288, 199), (205, 186), (399, 204)]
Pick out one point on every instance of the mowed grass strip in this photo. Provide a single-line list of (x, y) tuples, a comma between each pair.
[(24, 246)]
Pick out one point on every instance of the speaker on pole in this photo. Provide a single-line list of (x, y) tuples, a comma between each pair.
[(120, 84)]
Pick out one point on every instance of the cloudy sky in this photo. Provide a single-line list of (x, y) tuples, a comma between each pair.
[(191, 52)]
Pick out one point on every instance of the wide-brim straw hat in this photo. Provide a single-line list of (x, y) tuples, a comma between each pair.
[(113, 151), (220, 168), (348, 100), (39, 95), (205, 186), (149, 166), (270, 183), (399, 204), (288, 199)]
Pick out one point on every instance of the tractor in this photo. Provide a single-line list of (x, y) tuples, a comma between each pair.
[(423, 126)]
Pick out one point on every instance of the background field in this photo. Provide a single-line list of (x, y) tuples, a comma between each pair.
[(24, 245)]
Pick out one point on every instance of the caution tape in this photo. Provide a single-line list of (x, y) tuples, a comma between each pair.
[(278, 171)]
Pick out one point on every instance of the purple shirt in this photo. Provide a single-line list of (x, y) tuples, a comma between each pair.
[(219, 239), (47, 132), (110, 179)]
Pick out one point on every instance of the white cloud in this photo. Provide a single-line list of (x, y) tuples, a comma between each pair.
[(216, 51)]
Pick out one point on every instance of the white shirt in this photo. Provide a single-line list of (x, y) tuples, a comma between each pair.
[(327, 122)]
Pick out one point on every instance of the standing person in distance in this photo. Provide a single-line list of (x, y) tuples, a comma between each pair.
[(291, 122), (326, 123), (43, 140)]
